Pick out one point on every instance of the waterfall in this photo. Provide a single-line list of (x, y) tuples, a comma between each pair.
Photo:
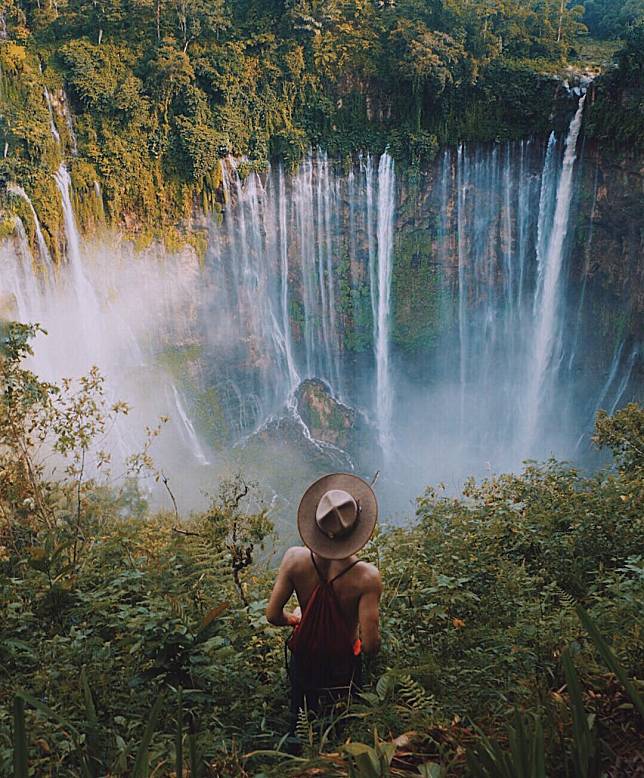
[(45, 256), (294, 378), (462, 287), (85, 293), (187, 429), (70, 123), (384, 392), (584, 284), (625, 380), (52, 123), (21, 286), (550, 254), (103, 308), (298, 283), (249, 258)]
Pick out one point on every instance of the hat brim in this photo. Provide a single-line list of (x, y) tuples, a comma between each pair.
[(340, 547)]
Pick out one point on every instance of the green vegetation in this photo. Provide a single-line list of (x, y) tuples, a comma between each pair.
[(610, 19), (418, 294), (160, 90), (135, 644), (616, 118)]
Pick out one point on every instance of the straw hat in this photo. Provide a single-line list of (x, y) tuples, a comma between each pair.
[(337, 515)]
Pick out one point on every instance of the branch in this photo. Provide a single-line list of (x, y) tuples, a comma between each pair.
[(185, 532), (164, 478), (240, 497)]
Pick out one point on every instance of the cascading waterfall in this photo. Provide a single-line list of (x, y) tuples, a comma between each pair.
[(500, 243), (634, 355), (101, 307), (186, 428), (45, 256), (280, 277), (382, 317), (584, 284), (293, 375), (550, 254), (88, 304), (299, 284), (52, 123)]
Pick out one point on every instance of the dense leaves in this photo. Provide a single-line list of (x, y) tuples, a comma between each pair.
[(161, 89), (107, 611)]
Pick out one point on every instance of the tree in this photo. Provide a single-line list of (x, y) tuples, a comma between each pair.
[(428, 60), (170, 71), (197, 19), (612, 18), (13, 22)]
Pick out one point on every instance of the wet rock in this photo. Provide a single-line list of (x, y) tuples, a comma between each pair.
[(327, 419)]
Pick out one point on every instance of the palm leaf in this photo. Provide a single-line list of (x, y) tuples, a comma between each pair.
[(20, 767), (179, 735), (611, 660), (92, 740), (141, 763)]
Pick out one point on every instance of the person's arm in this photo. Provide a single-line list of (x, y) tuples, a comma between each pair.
[(369, 615), (282, 591)]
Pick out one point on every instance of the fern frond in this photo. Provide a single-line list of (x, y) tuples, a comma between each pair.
[(413, 695)]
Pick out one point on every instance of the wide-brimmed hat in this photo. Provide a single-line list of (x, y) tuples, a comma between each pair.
[(337, 515)]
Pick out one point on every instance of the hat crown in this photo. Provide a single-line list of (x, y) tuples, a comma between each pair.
[(336, 513)]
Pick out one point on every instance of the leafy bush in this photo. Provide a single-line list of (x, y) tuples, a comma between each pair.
[(132, 637)]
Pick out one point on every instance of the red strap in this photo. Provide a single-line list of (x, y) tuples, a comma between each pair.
[(346, 570), (335, 578)]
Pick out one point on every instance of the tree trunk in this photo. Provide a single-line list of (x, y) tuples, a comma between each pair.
[(561, 13)]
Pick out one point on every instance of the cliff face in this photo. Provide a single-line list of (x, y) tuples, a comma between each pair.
[(605, 241), (609, 247)]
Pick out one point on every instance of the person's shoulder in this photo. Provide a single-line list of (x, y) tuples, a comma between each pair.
[(294, 555), (370, 575)]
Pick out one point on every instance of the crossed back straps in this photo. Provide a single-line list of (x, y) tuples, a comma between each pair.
[(335, 578)]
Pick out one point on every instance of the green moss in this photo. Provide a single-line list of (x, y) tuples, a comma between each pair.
[(199, 242), (354, 307), (7, 227), (417, 293), (176, 359), (311, 416), (209, 415)]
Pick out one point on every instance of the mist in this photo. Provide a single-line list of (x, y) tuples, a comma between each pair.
[(445, 323)]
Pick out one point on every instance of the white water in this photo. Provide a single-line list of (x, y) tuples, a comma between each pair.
[(108, 307), (384, 390), (186, 428), (550, 255), (294, 377), (298, 284), (45, 256), (52, 123), (87, 300)]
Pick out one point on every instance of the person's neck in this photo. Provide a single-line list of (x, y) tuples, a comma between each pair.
[(324, 562)]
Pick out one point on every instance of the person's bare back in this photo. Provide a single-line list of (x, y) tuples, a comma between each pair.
[(358, 592)]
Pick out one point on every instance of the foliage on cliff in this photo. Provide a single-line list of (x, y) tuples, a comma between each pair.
[(612, 18), (616, 117), (161, 89), (107, 611)]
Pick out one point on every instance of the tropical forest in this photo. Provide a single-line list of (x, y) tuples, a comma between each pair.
[(245, 244)]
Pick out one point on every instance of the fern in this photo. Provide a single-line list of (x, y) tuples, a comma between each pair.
[(413, 695), (304, 730), (566, 600)]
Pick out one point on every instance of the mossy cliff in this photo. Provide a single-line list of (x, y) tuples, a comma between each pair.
[(143, 101)]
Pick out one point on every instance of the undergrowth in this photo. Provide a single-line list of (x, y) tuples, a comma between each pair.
[(136, 644)]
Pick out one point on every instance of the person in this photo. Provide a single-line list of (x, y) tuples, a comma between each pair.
[(337, 620)]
